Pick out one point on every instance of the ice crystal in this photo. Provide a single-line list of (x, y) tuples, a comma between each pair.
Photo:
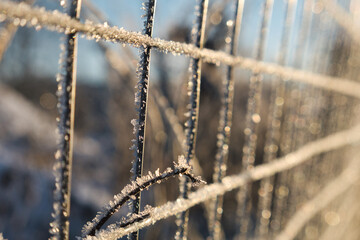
[(63, 3)]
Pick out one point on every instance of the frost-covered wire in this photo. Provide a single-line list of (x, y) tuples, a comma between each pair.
[(225, 122), (131, 190), (198, 33), (141, 101), (332, 142), (273, 127), (252, 121), (329, 193), (55, 21), (7, 33), (59, 228), (120, 66), (175, 126), (162, 102), (287, 142)]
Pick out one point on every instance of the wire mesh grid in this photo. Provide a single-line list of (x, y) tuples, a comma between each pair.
[(295, 115)]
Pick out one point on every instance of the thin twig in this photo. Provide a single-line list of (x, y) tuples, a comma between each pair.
[(133, 189)]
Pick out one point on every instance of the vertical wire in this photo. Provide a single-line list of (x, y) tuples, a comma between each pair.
[(319, 125), (321, 171), (307, 125), (344, 54), (281, 185), (64, 154), (225, 122), (305, 120), (251, 122), (273, 128), (191, 124), (141, 101)]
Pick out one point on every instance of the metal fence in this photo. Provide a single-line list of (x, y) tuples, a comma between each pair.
[(300, 134)]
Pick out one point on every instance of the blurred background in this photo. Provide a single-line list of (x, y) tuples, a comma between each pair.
[(105, 107)]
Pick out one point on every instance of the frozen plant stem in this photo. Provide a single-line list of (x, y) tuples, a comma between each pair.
[(225, 121), (66, 107), (191, 124), (141, 102), (134, 189)]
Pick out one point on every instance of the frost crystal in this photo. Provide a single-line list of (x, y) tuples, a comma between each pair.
[(55, 21), (198, 33), (63, 3), (130, 192), (225, 121), (66, 79), (252, 121)]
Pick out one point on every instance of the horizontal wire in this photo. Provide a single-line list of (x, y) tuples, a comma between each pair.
[(326, 144), (55, 21), (328, 194)]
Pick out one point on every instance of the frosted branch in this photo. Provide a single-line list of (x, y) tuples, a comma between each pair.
[(56, 21), (134, 188), (329, 143)]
